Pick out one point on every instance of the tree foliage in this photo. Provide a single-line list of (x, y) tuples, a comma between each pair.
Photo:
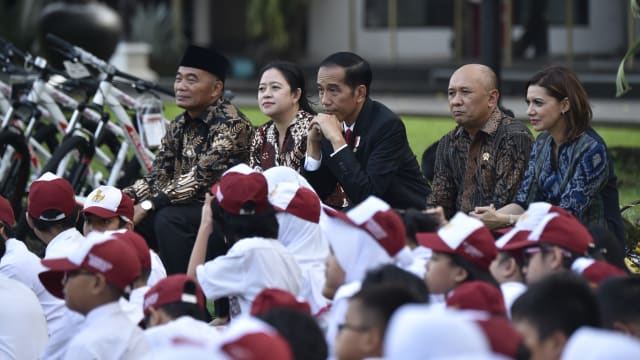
[(622, 85)]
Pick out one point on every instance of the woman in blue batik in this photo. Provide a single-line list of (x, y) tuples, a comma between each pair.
[(569, 164)]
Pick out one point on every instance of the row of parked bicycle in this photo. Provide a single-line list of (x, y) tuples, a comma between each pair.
[(80, 123)]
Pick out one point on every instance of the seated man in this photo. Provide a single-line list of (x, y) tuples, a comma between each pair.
[(483, 159), (373, 157)]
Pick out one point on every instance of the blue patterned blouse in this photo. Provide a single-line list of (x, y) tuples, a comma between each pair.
[(575, 183)]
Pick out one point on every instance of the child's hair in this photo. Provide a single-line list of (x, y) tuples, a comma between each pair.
[(300, 330), (380, 301), (47, 226), (236, 227), (559, 302), (619, 298), (416, 221), (391, 274), (474, 272)]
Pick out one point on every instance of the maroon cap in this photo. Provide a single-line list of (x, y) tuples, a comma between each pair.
[(478, 295), (138, 243), (269, 299), (100, 253), (238, 186), (52, 195), (107, 202), (465, 236), (503, 337), (595, 271), (6, 212), (248, 338), (555, 229), (172, 290), (527, 222)]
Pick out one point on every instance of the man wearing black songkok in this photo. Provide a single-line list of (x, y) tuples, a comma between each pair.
[(210, 136)]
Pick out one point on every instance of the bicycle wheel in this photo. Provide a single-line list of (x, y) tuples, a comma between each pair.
[(15, 168), (71, 161)]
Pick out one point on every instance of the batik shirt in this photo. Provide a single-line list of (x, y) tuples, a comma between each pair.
[(265, 148), (574, 183), (485, 170), (194, 154)]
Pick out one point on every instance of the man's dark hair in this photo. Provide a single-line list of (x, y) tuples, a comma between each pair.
[(301, 331), (64, 224), (236, 227), (356, 69), (559, 302), (619, 299), (391, 274), (380, 301)]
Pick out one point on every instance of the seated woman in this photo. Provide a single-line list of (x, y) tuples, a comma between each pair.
[(282, 97), (569, 164)]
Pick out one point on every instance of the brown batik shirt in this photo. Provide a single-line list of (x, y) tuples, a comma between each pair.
[(265, 148), (194, 154), (485, 170)]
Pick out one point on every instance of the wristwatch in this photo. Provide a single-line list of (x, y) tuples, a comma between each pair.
[(146, 205)]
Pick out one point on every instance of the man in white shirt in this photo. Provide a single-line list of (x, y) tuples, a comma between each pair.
[(94, 277), (20, 264), (52, 213), (23, 329)]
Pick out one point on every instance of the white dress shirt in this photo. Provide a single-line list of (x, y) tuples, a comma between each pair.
[(23, 328), (108, 333), (251, 265)]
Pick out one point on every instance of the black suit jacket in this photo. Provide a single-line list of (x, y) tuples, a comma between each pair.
[(378, 162)]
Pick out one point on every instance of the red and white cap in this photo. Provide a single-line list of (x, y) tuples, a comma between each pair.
[(595, 271), (51, 198), (296, 200), (465, 236), (272, 298), (285, 174), (367, 236), (480, 296), (248, 338), (376, 217), (6, 212), (107, 202), (138, 243), (172, 290), (528, 221), (101, 254), (238, 186), (555, 229)]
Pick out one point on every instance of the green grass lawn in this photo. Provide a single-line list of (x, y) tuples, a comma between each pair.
[(423, 131)]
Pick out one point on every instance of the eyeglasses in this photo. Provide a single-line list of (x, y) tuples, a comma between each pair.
[(356, 328)]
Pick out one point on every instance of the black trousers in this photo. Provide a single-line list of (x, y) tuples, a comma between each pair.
[(172, 232)]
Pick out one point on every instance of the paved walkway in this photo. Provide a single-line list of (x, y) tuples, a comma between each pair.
[(618, 112)]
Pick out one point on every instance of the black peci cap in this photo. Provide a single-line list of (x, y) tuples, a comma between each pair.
[(206, 59)]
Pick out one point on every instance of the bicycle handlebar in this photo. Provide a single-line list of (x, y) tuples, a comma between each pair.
[(88, 58)]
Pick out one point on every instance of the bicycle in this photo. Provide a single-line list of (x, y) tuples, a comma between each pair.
[(22, 131), (75, 154)]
